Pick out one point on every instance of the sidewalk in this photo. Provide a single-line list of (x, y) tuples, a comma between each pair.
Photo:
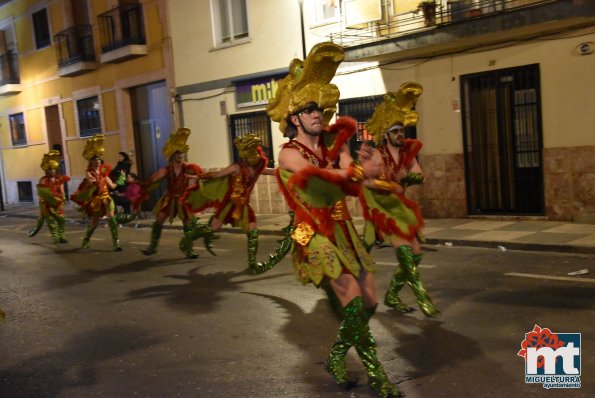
[(556, 236)]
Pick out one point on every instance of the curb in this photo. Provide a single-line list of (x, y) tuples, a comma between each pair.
[(556, 248)]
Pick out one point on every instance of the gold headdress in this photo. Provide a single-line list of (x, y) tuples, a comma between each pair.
[(176, 142), (50, 160), (396, 108), (94, 147), (308, 81), (247, 146)]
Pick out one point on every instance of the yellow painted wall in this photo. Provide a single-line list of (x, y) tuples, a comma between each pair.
[(75, 148), (34, 120), (153, 18), (28, 160), (69, 120), (110, 112)]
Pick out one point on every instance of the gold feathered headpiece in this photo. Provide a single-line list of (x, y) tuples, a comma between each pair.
[(308, 81), (247, 146), (50, 160), (94, 147), (396, 108), (176, 142)]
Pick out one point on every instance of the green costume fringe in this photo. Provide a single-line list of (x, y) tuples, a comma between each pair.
[(280, 252)]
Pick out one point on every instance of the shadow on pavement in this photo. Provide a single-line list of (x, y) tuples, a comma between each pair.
[(48, 375)]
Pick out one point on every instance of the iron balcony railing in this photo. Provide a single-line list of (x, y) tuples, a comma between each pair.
[(74, 45), (9, 68), (121, 26), (446, 12)]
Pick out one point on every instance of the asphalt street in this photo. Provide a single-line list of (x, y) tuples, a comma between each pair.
[(98, 323)]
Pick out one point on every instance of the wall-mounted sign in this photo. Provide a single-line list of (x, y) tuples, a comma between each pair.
[(256, 91)]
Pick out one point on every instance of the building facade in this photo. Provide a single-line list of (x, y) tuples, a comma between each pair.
[(503, 116), (75, 68)]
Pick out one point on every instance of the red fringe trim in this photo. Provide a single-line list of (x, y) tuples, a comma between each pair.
[(345, 127), (387, 225), (411, 148)]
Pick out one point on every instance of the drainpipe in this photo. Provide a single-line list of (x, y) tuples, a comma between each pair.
[(301, 4)]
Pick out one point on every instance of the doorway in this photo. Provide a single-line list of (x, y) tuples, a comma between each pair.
[(503, 140), (151, 123)]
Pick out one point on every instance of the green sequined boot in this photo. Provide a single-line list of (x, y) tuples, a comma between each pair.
[(409, 262), (391, 298), (33, 231), (61, 237), (186, 243), (252, 236), (367, 351), (348, 336), (53, 227), (87, 238), (155, 235), (194, 230), (113, 227)]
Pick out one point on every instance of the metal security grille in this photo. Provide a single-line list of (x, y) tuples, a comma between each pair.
[(361, 109), (257, 123), (502, 134)]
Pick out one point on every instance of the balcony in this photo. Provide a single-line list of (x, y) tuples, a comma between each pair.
[(74, 51), (10, 81), (122, 34), (461, 25)]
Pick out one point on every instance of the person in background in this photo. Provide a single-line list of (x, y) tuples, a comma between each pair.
[(131, 194), (122, 168), (389, 215), (50, 190)]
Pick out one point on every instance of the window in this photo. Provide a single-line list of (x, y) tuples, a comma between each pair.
[(25, 189), (361, 109), (41, 28), (257, 123), (88, 114), (17, 129), (326, 10), (230, 19)]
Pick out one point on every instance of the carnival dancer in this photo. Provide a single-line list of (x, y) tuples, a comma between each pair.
[(50, 190), (228, 191), (315, 173), (179, 176), (93, 195), (390, 216)]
